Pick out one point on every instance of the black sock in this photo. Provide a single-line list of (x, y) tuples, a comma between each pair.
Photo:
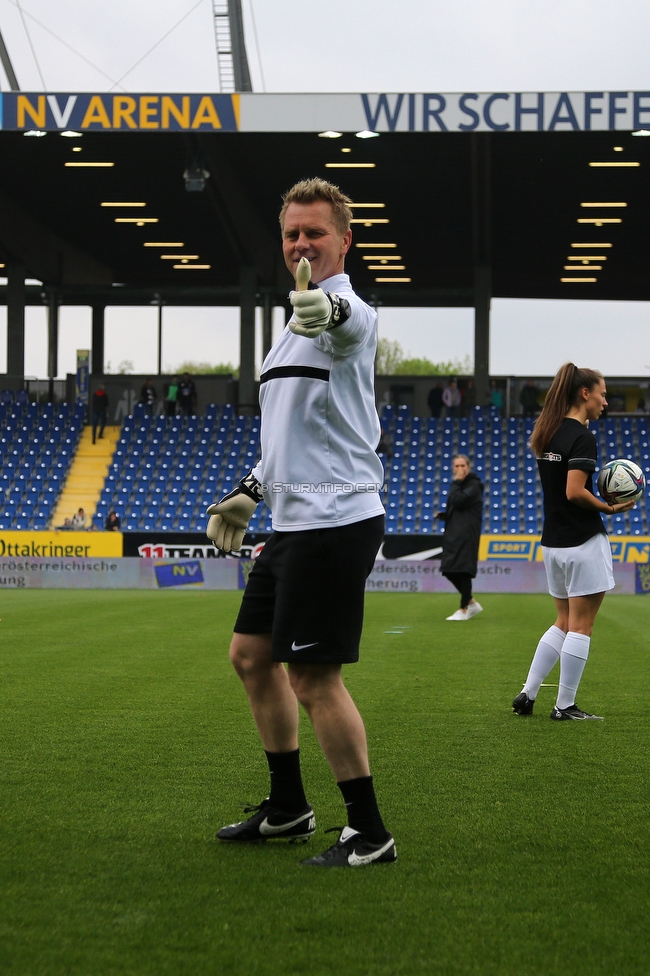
[(363, 812), (287, 793)]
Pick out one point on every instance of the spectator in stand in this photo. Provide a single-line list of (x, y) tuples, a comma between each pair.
[(451, 399), (496, 398), (528, 398), (187, 395), (66, 527), (171, 396), (640, 406), (148, 397), (78, 521), (434, 400), (469, 398), (112, 522), (99, 409)]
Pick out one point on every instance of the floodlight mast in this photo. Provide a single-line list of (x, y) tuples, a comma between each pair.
[(7, 65), (232, 62)]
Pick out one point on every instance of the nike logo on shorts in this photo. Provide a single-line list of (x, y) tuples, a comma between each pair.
[(301, 647)]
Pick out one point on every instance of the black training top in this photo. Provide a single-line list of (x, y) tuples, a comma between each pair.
[(572, 447)]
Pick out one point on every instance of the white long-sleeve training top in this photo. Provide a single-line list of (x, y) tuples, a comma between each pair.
[(319, 428)]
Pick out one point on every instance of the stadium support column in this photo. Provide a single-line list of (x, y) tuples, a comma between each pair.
[(247, 290), (482, 250), (267, 325), (52, 342), (16, 321), (97, 352), (482, 299)]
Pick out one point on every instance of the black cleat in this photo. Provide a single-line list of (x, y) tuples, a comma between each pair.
[(573, 712), (353, 850), (267, 823), (523, 705)]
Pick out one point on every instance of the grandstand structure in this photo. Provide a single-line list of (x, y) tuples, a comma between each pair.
[(165, 471)]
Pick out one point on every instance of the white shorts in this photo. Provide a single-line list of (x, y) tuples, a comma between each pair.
[(580, 570)]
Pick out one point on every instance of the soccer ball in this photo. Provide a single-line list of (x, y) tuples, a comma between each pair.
[(621, 481)]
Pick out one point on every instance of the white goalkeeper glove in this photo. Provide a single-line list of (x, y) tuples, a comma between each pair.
[(315, 310), (230, 516)]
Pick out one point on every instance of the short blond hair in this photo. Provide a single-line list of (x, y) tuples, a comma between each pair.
[(310, 191)]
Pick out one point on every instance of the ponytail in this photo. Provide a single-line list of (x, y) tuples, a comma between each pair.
[(563, 394)]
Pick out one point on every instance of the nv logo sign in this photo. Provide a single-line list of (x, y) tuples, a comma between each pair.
[(179, 573)]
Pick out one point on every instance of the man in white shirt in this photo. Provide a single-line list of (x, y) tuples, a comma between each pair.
[(321, 477)]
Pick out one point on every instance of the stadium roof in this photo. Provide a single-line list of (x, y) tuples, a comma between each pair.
[(547, 190)]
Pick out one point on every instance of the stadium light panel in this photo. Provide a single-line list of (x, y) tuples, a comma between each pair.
[(599, 221), (350, 165), (140, 221), (191, 267), (575, 280), (163, 244), (382, 267), (599, 244), (587, 257), (179, 257), (111, 204), (393, 279), (581, 267), (373, 205), (380, 245), (89, 165), (603, 204), (614, 165), (383, 257)]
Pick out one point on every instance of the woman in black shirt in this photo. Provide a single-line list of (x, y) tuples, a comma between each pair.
[(576, 550)]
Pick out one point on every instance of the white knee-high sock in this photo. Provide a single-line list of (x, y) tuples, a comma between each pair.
[(572, 663), (546, 657)]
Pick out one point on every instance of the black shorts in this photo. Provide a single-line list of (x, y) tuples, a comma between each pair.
[(307, 590)]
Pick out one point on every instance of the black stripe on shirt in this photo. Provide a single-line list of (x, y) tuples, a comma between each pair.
[(311, 372)]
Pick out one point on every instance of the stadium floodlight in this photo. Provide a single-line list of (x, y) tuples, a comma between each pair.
[(603, 204), (35, 132), (614, 165), (71, 134), (599, 244), (330, 134), (350, 165), (583, 267), (576, 280), (366, 134), (641, 132)]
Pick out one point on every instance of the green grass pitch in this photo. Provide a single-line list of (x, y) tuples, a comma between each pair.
[(125, 741)]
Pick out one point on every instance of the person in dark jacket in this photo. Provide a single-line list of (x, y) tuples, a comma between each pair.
[(462, 517), (100, 406), (528, 398), (112, 522), (434, 400)]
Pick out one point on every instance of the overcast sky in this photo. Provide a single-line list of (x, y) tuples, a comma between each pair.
[(345, 45)]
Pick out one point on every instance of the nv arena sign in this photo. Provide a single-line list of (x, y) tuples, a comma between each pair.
[(377, 112)]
